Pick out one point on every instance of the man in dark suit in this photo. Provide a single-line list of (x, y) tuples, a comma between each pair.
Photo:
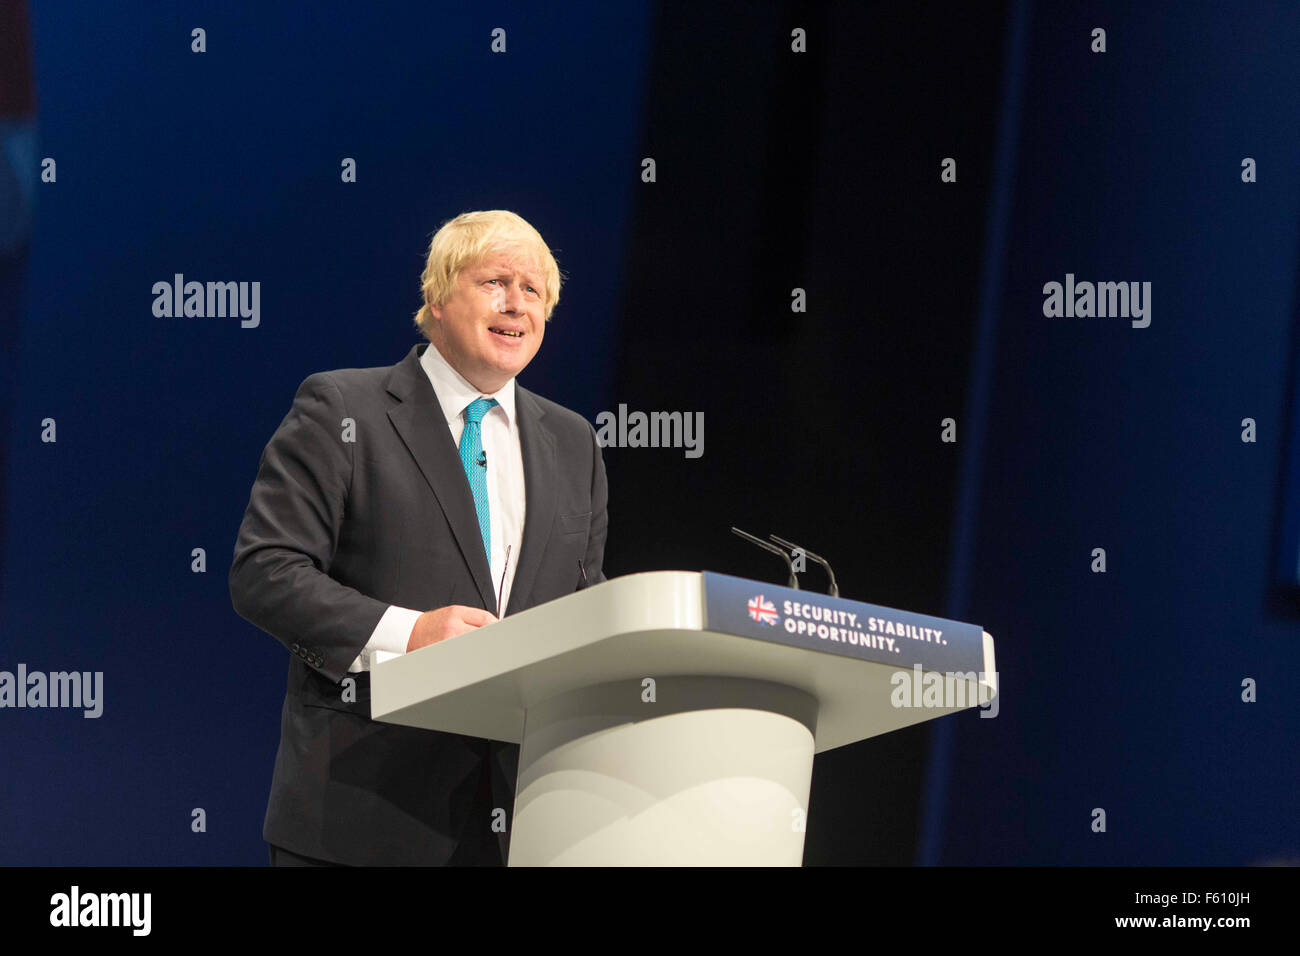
[(399, 506)]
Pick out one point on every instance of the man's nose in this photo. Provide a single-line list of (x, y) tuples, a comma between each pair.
[(513, 299)]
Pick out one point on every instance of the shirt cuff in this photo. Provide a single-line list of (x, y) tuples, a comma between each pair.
[(391, 634)]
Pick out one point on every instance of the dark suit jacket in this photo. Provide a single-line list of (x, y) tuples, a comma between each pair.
[(336, 531)]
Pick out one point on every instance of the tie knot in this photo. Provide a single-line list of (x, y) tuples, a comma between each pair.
[(476, 409)]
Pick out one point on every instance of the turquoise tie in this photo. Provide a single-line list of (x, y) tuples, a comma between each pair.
[(474, 459)]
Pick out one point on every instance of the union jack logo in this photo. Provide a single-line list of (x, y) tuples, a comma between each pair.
[(762, 610)]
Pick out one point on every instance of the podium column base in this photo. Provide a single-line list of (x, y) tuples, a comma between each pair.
[(712, 772)]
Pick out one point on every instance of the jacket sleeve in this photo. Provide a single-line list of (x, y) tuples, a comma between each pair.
[(280, 579), (595, 559)]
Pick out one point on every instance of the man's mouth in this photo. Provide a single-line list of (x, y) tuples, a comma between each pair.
[(507, 332)]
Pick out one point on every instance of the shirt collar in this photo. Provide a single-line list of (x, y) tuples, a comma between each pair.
[(455, 393)]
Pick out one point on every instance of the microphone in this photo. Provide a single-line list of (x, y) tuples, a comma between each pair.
[(794, 580), (482, 458), (834, 588)]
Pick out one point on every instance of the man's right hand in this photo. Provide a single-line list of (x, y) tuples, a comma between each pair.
[(444, 622)]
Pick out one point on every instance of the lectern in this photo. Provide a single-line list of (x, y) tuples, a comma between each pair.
[(671, 717)]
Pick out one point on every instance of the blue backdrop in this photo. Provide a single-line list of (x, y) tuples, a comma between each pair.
[(1123, 690), (226, 166)]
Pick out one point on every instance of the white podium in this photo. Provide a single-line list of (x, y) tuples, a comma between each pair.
[(671, 717)]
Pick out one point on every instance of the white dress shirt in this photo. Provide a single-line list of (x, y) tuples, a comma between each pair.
[(505, 489)]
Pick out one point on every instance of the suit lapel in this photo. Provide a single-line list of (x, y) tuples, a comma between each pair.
[(540, 489), (420, 423)]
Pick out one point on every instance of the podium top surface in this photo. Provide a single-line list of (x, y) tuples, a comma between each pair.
[(872, 669)]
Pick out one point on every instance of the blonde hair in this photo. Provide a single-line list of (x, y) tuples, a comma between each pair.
[(464, 241)]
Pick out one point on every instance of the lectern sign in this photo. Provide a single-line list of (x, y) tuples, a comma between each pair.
[(819, 622)]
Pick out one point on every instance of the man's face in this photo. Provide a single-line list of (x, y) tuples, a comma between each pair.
[(492, 325)]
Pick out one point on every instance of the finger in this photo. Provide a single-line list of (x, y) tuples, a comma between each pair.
[(477, 617)]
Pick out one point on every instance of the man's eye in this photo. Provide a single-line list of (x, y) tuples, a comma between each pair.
[(532, 290)]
